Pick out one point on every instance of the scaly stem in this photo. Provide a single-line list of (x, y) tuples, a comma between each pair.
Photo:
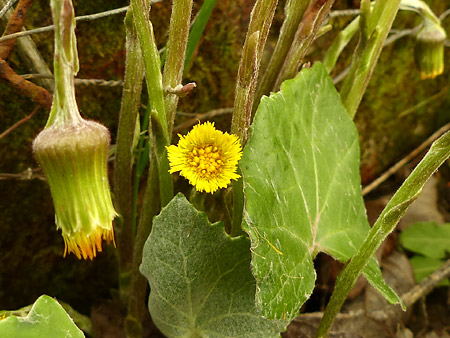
[(385, 224), (123, 165), (260, 22), (314, 16), (64, 109), (175, 55), (159, 130), (375, 26), (294, 10)]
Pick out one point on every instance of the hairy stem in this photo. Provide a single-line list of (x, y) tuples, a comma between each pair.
[(176, 50), (260, 22), (137, 301), (123, 165)]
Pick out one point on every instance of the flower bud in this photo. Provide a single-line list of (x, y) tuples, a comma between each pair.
[(429, 50), (74, 159)]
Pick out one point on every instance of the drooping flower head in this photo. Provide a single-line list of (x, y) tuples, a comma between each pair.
[(74, 158), (207, 157), (73, 152)]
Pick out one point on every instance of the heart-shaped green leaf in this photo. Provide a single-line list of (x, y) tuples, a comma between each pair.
[(200, 279), (303, 191)]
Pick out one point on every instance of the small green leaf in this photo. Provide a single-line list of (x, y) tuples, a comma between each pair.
[(46, 318), (197, 29), (200, 279), (425, 266), (427, 238), (303, 191)]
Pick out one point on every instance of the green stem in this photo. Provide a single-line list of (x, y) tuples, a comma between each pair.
[(159, 130), (123, 165), (238, 207), (64, 109), (294, 10), (175, 55), (312, 20), (138, 284), (197, 199), (339, 43), (385, 224), (375, 26), (260, 22)]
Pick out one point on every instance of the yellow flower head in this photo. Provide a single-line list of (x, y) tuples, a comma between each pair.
[(206, 157)]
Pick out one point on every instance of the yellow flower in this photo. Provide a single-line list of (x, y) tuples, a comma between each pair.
[(206, 157)]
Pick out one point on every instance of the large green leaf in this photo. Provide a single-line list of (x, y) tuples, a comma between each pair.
[(427, 238), (200, 279), (303, 191), (46, 318)]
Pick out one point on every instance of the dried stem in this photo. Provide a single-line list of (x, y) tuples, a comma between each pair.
[(38, 94), (7, 6), (15, 24), (368, 188), (19, 123)]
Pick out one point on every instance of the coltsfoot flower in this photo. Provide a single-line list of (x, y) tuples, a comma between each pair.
[(74, 158), (73, 152), (207, 157), (429, 50)]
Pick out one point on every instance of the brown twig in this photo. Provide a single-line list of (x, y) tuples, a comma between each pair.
[(28, 174), (27, 88), (368, 188), (78, 18), (200, 117), (19, 123), (408, 298), (83, 82), (15, 24)]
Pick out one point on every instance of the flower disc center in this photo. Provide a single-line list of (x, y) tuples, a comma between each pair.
[(206, 160)]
